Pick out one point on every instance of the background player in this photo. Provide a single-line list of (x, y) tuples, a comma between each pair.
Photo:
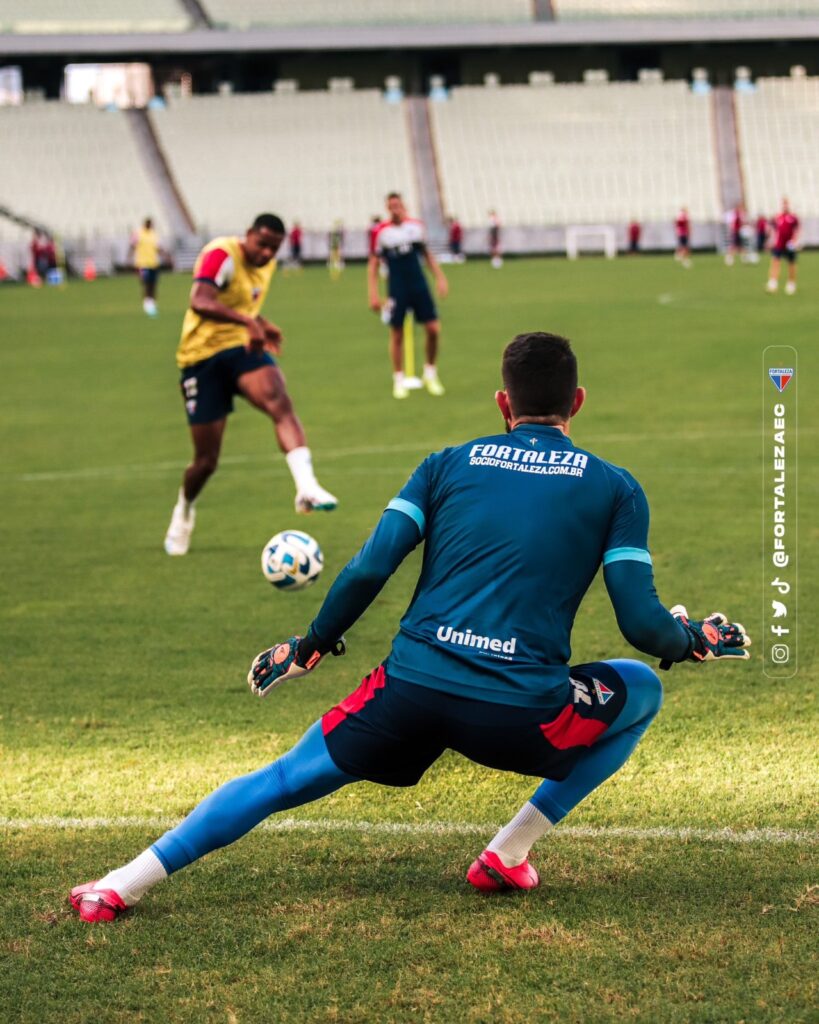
[(147, 255), (785, 246), (762, 231), (515, 526), (682, 228), (635, 229), (400, 243), (736, 243), (335, 247), (294, 240), (225, 350), (456, 240), (495, 240)]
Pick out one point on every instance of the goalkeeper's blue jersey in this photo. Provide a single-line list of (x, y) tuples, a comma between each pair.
[(515, 529)]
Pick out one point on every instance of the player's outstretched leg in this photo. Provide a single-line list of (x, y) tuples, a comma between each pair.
[(505, 864), (265, 388), (305, 773)]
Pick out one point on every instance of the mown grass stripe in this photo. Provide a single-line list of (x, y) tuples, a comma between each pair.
[(802, 837)]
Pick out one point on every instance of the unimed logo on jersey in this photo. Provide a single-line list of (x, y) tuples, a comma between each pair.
[(557, 462), (466, 638)]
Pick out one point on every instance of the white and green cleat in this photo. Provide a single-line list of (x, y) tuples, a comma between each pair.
[(433, 384)]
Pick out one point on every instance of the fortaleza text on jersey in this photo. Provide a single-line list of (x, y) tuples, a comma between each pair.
[(526, 460)]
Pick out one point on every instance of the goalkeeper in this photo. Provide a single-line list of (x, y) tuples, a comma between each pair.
[(515, 527)]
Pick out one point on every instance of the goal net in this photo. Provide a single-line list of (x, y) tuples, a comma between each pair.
[(591, 238)]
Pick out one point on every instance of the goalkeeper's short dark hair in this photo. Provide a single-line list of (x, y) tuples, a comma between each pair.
[(269, 221), (540, 375)]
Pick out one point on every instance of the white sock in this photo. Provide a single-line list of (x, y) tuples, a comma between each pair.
[(430, 370), (183, 503), (300, 462), (514, 841), (398, 377), (132, 881)]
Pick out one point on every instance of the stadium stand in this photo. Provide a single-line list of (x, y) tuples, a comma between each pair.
[(71, 16), (249, 13), (576, 153), (778, 126), (316, 157), (74, 169), (577, 10), (13, 232)]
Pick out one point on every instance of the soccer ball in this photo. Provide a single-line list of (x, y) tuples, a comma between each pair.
[(292, 560)]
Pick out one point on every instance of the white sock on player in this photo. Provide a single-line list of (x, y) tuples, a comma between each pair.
[(398, 377), (514, 841), (132, 881), (300, 463), (430, 370), (183, 504)]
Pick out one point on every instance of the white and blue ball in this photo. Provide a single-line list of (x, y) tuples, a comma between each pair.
[(292, 560)]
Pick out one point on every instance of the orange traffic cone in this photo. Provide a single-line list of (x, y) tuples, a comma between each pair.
[(90, 271), (4, 274), (33, 278)]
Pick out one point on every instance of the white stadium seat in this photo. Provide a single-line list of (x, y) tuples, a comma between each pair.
[(54, 16), (577, 10), (75, 169), (316, 157), (586, 153), (247, 13), (778, 128)]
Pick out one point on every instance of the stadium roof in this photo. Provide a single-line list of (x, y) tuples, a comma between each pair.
[(419, 37)]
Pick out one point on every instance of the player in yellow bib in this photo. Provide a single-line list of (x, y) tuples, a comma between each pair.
[(225, 349), (147, 256)]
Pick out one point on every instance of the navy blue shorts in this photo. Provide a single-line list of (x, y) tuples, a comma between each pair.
[(419, 301), (785, 254), (208, 387), (682, 241), (149, 275), (390, 732)]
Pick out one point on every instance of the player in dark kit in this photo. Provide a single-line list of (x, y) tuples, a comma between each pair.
[(400, 242), (735, 242), (762, 230), (515, 526), (295, 242), (785, 247), (682, 229)]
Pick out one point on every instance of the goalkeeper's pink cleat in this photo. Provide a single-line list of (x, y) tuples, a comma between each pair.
[(96, 904), (489, 874)]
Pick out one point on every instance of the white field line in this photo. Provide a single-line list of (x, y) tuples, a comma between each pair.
[(417, 447), (142, 468), (802, 837)]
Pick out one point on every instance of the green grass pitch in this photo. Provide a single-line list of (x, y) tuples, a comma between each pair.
[(123, 690)]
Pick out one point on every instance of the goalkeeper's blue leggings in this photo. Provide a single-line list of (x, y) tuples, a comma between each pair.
[(307, 772), (609, 754)]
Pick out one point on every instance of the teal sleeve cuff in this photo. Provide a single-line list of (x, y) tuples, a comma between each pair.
[(415, 513), (626, 555)]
